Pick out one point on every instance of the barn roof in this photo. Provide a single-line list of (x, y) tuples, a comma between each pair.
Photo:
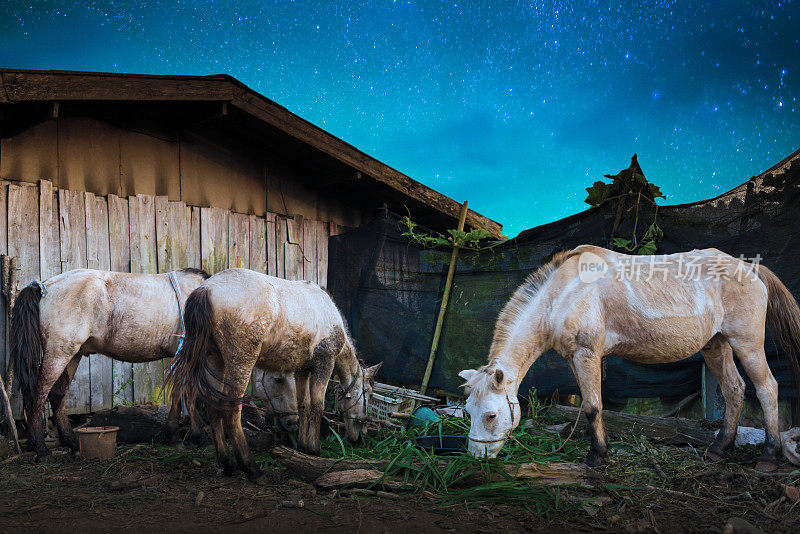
[(347, 167)]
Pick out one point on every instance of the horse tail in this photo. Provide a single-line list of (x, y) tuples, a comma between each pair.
[(192, 373), (26, 343), (783, 320)]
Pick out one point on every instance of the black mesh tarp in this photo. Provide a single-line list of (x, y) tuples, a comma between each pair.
[(390, 290)]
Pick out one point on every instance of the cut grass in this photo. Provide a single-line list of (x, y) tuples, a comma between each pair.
[(445, 476)]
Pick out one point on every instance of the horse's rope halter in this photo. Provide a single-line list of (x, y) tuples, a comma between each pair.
[(345, 393), (509, 436)]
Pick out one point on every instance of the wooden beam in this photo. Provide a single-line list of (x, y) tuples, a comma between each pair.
[(54, 85), (283, 119)]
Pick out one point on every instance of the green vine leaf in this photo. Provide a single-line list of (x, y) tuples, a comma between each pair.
[(620, 242), (647, 248)]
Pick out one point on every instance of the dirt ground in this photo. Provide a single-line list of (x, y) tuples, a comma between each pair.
[(182, 492)]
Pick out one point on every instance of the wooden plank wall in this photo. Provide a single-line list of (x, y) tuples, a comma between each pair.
[(52, 231)]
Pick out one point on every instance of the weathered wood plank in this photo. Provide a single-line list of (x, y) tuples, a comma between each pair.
[(49, 256), (97, 251), (309, 250), (292, 249), (258, 244), (3, 303), (119, 234), (23, 231), (195, 257), (147, 223), (3, 217), (214, 239), (144, 258), (92, 237), (120, 251), (270, 236), (172, 235), (239, 240), (172, 229), (72, 214), (322, 234)]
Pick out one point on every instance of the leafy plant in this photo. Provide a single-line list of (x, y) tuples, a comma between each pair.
[(475, 239), (630, 184)]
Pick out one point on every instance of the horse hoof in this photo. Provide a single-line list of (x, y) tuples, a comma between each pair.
[(766, 466), (712, 456), (594, 460), (44, 457)]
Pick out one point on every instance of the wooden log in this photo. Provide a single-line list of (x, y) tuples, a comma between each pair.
[(326, 472), (670, 430), (312, 467), (137, 424), (353, 478)]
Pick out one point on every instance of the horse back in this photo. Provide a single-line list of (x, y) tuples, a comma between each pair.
[(288, 318), (653, 308), (130, 317)]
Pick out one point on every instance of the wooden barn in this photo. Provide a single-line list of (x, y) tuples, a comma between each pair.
[(145, 174)]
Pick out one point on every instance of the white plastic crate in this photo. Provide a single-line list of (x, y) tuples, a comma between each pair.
[(381, 407)]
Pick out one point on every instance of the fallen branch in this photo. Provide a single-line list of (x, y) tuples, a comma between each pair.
[(359, 478), (132, 481), (312, 467), (365, 472), (670, 430)]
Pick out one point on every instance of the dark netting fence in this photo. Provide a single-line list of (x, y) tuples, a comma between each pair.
[(390, 290)]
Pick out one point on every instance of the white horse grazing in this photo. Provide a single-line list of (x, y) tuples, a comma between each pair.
[(280, 396), (239, 320), (590, 302), (128, 317)]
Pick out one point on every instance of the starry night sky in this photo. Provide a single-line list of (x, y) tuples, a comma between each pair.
[(516, 107)]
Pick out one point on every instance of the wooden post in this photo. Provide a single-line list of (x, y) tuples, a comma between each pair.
[(7, 381), (7, 265), (443, 308)]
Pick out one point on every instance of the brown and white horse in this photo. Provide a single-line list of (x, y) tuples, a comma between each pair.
[(238, 320), (590, 302), (128, 317)]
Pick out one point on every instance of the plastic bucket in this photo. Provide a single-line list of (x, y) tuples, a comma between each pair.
[(421, 417), (97, 442)]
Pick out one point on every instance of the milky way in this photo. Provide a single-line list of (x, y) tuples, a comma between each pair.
[(514, 107)]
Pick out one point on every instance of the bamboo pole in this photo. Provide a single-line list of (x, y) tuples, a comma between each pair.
[(443, 308)]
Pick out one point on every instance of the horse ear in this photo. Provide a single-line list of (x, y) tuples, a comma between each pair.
[(498, 377), (467, 374), (370, 372)]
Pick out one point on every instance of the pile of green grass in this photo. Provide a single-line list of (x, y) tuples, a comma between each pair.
[(444, 476)]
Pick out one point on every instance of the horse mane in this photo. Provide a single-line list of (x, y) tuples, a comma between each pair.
[(193, 270), (523, 295)]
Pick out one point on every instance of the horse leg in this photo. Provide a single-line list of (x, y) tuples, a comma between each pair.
[(586, 366), (236, 381), (317, 385), (719, 360), (301, 380), (754, 361), (51, 369), (56, 397), (171, 436), (218, 435)]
